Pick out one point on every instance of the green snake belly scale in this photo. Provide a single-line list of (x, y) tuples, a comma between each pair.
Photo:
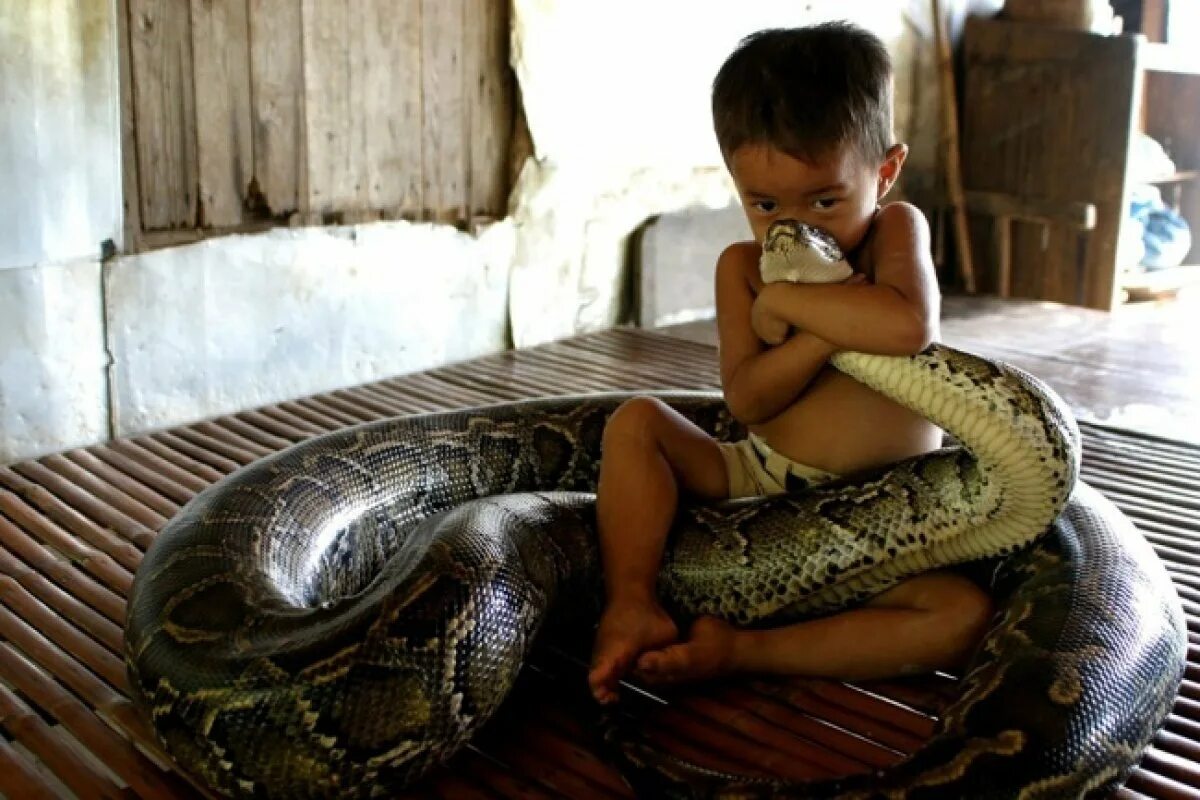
[(337, 618)]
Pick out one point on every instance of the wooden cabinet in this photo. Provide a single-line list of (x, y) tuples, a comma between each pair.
[(1050, 117)]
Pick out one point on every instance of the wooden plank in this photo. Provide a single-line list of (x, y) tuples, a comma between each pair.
[(277, 106), (47, 743), (1032, 209), (86, 725), (220, 44), (1078, 93), (73, 528), (488, 85), (240, 112), (18, 777), (444, 165), (389, 70), (29, 546), (1154, 20), (131, 193), (952, 150), (1002, 236), (334, 154), (90, 498), (18, 581), (164, 112), (83, 461)]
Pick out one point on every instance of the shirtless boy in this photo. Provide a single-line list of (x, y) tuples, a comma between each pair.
[(804, 121)]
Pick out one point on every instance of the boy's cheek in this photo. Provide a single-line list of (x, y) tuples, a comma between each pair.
[(850, 236)]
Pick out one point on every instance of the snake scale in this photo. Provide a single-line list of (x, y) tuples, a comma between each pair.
[(337, 618)]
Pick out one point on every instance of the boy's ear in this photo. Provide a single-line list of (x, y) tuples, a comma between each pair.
[(889, 171)]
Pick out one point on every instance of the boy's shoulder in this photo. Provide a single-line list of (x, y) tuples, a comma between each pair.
[(740, 260), (898, 224), (741, 251), (898, 214), (740, 256), (898, 217)]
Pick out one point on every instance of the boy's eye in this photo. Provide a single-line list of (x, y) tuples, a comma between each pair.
[(825, 203), (765, 206)]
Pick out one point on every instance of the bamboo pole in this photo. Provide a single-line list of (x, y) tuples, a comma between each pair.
[(954, 185)]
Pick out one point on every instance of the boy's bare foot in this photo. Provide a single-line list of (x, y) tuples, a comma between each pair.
[(627, 629), (707, 653)]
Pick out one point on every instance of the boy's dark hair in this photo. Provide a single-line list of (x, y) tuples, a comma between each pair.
[(805, 91)]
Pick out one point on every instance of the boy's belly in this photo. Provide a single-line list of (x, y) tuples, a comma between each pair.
[(841, 426)]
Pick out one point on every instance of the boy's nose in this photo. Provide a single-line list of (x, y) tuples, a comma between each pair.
[(796, 216), (798, 222)]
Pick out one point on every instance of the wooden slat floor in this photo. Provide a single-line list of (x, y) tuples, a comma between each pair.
[(73, 528)]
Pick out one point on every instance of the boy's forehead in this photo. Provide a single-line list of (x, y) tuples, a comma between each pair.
[(762, 165)]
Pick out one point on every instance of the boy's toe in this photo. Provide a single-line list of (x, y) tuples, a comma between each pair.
[(604, 672), (669, 664), (652, 661), (608, 667)]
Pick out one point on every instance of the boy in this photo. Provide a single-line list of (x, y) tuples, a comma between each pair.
[(804, 121)]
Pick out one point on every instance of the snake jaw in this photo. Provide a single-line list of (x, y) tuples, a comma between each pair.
[(799, 253)]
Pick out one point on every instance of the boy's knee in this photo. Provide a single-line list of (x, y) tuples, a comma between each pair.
[(966, 611), (957, 612), (637, 417)]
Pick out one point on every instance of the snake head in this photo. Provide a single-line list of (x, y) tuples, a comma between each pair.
[(800, 253)]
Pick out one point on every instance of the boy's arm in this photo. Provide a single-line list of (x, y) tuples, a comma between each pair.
[(896, 315), (759, 382)]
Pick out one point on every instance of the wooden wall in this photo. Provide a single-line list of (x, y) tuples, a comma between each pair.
[(1048, 118), (245, 113)]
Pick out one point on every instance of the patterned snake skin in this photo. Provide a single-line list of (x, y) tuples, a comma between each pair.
[(337, 618)]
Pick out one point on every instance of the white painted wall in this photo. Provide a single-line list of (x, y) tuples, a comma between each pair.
[(59, 199), (242, 321), (617, 100), (52, 386)]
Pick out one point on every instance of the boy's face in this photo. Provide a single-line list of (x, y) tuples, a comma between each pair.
[(838, 193)]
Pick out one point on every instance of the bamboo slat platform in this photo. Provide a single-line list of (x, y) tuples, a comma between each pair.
[(73, 528)]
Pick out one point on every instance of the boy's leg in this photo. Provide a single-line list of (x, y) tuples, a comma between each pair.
[(929, 622), (650, 451)]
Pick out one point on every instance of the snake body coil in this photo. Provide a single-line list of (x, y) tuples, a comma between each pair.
[(336, 618)]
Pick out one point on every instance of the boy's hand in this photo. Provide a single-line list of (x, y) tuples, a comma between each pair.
[(775, 330), (771, 329)]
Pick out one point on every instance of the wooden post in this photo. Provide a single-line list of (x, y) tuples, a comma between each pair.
[(1004, 209), (1002, 231), (954, 183)]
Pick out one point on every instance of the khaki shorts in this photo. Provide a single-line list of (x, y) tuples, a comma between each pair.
[(755, 469)]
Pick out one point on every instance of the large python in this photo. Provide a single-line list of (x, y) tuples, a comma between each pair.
[(337, 618)]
